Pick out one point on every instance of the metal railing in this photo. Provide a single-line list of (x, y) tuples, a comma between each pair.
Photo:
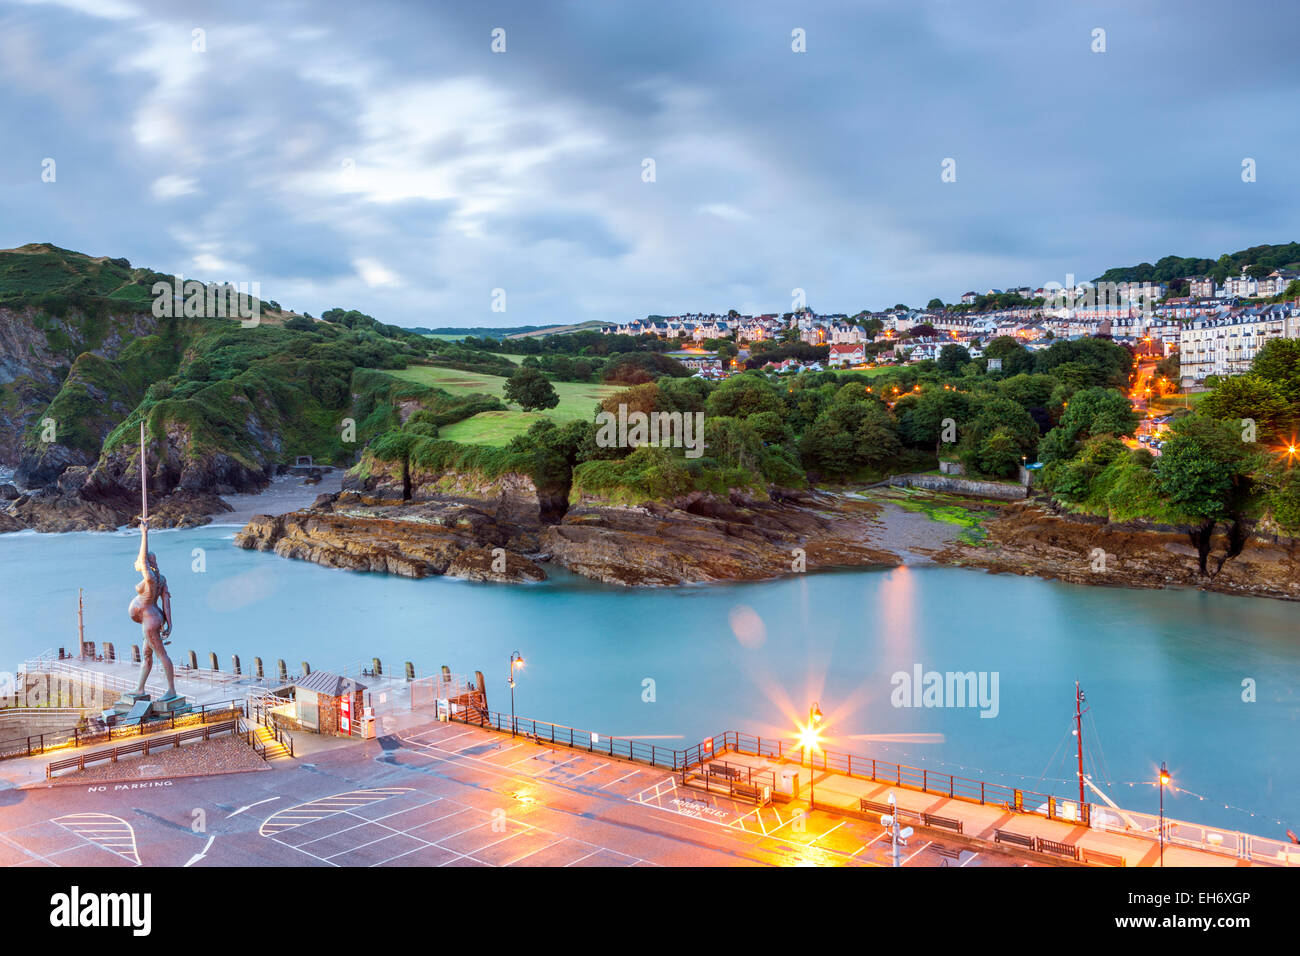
[(144, 747), (1245, 846), (35, 744)]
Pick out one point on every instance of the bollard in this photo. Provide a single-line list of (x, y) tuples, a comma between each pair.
[(234, 659), (306, 668), (212, 661), (410, 671), (257, 667), (284, 672), (194, 661), (109, 654), (135, 653), (378, 667)]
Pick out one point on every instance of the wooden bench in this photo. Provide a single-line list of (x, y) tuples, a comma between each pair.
[(747, 790), (722, 770), (1059, 849), (948, 853), (1097, 858), (1017, 839), (871, 806), (930, 820)]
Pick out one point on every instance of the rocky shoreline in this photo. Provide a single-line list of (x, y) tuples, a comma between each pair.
[(707, 539), (1035, 538)]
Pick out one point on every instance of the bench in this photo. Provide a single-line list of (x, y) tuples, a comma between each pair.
[(948, 853), (930, 820), (746, 790), (1060, 849), (1017, 839), (1097, 858), (722, 770)]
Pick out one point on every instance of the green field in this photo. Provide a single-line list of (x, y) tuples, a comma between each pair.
[(577, 401)]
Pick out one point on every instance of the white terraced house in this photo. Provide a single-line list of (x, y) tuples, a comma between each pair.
[(1228, 346)]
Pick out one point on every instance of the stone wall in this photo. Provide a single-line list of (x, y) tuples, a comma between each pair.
[(953, 485)]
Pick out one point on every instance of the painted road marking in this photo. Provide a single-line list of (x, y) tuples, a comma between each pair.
[(251, 805), (105, 831), (620, 779), (323, 807), (202, 853)]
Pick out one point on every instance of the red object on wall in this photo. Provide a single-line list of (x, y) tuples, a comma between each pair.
[(345, 715)]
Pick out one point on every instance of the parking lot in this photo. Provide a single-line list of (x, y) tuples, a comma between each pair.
[(440, 794)]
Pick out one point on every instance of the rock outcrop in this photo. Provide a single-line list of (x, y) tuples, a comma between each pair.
[(385, 536), (1036, 539)]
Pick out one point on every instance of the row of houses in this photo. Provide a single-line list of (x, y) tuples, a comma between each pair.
[(1227, 343)]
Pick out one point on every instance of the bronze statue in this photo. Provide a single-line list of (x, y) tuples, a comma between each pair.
[(155, 622)]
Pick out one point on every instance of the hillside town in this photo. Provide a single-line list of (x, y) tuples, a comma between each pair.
[(1215, 329)]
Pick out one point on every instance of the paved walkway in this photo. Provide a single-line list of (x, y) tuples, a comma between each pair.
[(839, 792)]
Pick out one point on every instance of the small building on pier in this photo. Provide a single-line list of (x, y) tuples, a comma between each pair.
[(326, 703)]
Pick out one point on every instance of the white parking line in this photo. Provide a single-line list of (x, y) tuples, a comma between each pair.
[(620, 779)]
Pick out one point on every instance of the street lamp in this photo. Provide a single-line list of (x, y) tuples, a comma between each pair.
[(1164, 779), (516, 660), (808, 739)]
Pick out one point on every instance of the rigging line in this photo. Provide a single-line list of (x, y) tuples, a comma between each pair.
[(1095, 735), (1052, 759)]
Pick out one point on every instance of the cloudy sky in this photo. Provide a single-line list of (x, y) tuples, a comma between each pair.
[(381, 156)]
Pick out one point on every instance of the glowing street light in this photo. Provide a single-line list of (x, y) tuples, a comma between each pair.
[(516, 660), (809, 738)]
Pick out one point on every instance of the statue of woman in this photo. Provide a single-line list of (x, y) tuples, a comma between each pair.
[(155, 623)]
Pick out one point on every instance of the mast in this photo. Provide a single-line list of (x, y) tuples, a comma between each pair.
[(81, 623), (144, 477), (1078, 733)]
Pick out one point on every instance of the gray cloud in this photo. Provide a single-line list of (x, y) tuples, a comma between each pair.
[(381, 157)]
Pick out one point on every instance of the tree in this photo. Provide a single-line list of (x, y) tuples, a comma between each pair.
[(743, 395), (530, 390), (935, 303), (998, 455), (1015, 357), (1250, 397), (1201, 467), (952, 357), (850, 436), (1279, 362), (1090, 412)]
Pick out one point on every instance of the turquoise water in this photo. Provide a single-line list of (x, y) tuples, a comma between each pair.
[(1162, 670)]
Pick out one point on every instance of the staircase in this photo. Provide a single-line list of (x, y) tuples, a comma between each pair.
[(266, 739)]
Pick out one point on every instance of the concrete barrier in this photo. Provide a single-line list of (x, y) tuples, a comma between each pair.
[(953, 485)]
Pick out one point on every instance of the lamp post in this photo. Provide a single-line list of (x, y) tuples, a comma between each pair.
[(516, 660), (893, 825), (1164, 779), (808, 740)]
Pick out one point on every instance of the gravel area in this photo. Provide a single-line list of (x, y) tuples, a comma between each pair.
[(284, 494), (219, 755)]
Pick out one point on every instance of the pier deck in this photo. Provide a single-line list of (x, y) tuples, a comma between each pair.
[(836, 792)]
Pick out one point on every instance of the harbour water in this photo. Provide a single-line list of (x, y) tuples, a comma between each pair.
[(1165, 672)]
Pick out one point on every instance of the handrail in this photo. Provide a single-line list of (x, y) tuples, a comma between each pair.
[(1177, 832), (77, 736)]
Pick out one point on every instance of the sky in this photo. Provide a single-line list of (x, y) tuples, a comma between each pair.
[(382, 156)]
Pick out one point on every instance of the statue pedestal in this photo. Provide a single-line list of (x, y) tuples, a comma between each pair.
[(171, 706), (133, 708), (127, 702)]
